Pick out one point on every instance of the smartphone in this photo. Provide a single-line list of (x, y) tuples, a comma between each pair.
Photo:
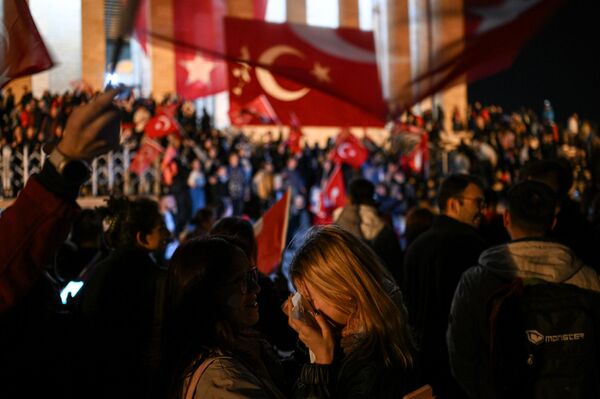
[(70, 290)]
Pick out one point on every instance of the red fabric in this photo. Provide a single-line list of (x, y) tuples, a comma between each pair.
[(257, 111), (31, 230), (149, 151), (495, 33), (259, 9), (416, 159), (168, 166), (141, 25), (349, 150), (295, 136), (162, 124), (335, 190), (270, 232), (326, 76), (22, 50), (198, 25)]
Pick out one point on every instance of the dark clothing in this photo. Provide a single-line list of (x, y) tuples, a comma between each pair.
[(468, 329), (364, 223), (357, 375), (121, 309), (432, 269), (34, 357)]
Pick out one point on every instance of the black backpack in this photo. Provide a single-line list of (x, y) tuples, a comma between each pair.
[(544, 341)]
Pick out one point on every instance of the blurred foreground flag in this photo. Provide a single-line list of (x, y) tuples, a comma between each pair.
[(270, 232), (22, 50), (495, 32), (327, 77)]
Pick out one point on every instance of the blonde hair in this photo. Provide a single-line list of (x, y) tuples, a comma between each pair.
[(350, 277)]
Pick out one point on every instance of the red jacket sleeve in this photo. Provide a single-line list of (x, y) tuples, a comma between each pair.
[(31, 230)]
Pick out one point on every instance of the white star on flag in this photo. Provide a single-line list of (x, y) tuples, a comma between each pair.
[(198, 69), (321, 72)]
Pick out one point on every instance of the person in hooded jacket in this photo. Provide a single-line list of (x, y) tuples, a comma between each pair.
[(530, 255), (361, 218)]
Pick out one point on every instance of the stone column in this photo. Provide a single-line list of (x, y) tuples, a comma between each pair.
[(162, 54), (240, 9), (392, 20), (448, 30), (296, 11), (93, 43), (349, 13)]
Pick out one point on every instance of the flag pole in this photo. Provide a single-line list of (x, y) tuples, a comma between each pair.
[(287, 217), (125, 28)]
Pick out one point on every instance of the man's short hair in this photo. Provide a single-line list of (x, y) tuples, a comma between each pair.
[(532, 206), (362, 191), (453, 186), (557, 173)]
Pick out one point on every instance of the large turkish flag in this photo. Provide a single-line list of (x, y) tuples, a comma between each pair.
[(22, 50), (325, 76)]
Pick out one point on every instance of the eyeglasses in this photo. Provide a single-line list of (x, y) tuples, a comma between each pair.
[(245, 281), (479, 202)]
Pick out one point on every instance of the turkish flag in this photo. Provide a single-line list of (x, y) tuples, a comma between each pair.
[(496, 31), (306, 70), (198, 25), (149, 151), (295, 135), (335, 190), (257, 111), (162, 124), (349, 150), (416, 159), (22, 50), (270, 232)]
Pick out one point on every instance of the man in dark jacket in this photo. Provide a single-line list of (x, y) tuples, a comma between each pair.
[(433, 265), (530, 217)]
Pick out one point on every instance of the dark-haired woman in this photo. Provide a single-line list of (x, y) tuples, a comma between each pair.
[(210, 348), (120, 303)]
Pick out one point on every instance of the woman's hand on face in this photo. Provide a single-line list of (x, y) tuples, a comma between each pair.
[(320, 341)]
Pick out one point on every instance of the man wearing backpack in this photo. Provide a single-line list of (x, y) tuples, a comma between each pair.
[(475, 326)]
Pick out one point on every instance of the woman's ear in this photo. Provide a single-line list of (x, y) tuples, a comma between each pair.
[(140, 239)]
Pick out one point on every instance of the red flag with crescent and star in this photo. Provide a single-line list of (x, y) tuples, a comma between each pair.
[(349, 150), (335, 190), (163, 123), (149, 152), (22, 50), (327, 77)]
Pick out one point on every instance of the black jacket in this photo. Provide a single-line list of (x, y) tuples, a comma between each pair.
[(433, 265), (121, 305)]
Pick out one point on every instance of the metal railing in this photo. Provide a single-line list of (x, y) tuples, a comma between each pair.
[(110, 173)]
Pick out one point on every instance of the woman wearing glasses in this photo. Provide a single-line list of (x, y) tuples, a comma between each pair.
[(210, 348), (360, 340)]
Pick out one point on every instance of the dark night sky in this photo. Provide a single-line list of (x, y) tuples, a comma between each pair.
[(559, 64)]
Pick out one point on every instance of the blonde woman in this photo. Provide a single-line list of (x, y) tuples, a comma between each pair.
[(359, 338)]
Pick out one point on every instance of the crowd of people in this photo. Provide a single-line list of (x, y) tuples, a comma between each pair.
[(391, 296)]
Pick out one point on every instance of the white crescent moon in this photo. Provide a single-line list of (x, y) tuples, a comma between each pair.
[(268, 82), (163, 123), (346, 151)]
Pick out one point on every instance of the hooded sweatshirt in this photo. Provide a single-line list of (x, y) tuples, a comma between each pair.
[(468, 324)]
